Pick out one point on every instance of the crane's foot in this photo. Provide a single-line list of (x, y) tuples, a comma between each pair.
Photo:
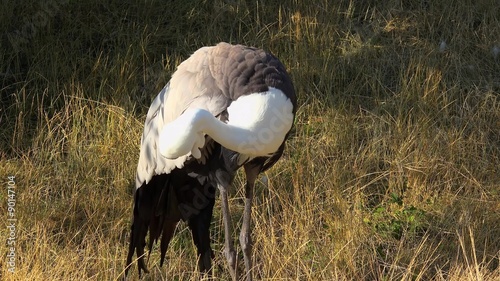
[(231, 261)]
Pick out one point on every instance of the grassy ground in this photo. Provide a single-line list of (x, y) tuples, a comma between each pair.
[(393, 171)]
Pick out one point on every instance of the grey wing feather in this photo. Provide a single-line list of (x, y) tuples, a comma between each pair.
[(191, 86), (151, 162)]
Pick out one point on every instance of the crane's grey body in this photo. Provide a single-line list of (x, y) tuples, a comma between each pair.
[(211, 79)]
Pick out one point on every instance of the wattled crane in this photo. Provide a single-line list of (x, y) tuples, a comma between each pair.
[(225, 107)]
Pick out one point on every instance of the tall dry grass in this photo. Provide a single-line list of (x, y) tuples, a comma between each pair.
[(392, 172)]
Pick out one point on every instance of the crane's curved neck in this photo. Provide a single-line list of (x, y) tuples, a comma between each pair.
[(257, 126)]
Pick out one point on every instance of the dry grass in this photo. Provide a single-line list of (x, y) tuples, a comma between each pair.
[(393, 172)]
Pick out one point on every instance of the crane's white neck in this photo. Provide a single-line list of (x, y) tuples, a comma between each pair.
[(257, 126)]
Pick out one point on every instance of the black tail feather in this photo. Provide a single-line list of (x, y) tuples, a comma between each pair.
[(138, 232), (168, 232), (149, 202), (200, 229), (156, 210)]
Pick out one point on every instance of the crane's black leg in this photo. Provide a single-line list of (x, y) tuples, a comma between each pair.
[(200, 228), (251, 172)]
